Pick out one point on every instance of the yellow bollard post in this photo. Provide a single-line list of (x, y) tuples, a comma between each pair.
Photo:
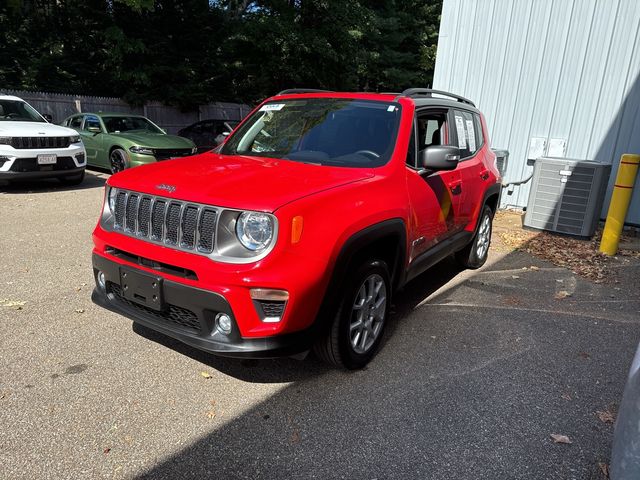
[(620, 200)]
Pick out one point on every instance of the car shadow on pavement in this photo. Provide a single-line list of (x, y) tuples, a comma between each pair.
[(472, 381), (91, 180)]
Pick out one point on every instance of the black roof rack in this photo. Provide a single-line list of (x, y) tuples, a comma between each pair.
[(428, 92), (302, 90)]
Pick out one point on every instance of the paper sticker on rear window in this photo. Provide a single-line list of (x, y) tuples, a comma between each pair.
[(462, 141), (272, 107), (471, 136)]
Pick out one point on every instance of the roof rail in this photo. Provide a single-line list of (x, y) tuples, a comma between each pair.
[(428, 92), (302, 90)]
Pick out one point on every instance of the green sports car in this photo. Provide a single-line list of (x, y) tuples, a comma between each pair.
[(119, 140)]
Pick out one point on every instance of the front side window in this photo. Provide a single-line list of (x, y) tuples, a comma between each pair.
[(18, 111), (127, 124), (337, 132)]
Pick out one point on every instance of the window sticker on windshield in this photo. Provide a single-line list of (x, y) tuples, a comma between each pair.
[(272, 107), (472, 135), (391, 108), (462, 140)]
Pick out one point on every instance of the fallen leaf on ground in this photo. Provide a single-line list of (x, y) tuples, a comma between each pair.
[(205, 374), (106, 450), (557, 438), (606, 416), (561, 294), (79, 310), (15, 304), (295, 437), (604, 470), (534, 268), (584, 355), (515, 277), (566, 396)]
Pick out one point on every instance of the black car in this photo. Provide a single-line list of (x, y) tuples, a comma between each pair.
[(208, 134)]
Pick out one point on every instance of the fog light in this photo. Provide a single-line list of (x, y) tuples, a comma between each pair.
[(223, 323), (102, 282)]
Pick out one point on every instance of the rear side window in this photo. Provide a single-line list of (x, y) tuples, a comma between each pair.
[(469, 137)]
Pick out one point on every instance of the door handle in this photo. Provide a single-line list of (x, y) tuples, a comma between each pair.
[(484, 174), (456, 189)]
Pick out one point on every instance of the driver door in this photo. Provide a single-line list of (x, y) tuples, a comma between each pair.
[(435, 197), (93, 140)]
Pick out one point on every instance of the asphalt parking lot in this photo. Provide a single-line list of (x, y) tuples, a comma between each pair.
[(477, 371)]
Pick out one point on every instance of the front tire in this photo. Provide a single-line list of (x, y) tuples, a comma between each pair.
[(357, 328), (118, 160), (475, 254)]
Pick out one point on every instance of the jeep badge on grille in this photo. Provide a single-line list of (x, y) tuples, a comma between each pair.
[(168, 188)]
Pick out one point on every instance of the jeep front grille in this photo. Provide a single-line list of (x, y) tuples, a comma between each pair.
[(40, 142), (175, 223)]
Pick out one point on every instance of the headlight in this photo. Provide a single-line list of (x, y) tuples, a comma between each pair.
[(113, 193), (254, 230), (141, 150), (5, 140), (75, 139)]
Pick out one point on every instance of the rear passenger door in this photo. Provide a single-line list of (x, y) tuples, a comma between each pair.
[(469, 139)]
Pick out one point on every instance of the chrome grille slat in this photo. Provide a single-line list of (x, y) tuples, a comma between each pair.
[(144, 216), (172, 223), (206, 229), (131, 216), (158, 218)]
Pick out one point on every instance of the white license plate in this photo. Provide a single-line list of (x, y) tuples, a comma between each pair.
[(47, 159)]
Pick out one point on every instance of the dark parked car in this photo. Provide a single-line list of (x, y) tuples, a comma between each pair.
[(208, 134)]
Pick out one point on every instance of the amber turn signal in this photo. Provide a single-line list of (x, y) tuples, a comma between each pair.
[(296, 229)]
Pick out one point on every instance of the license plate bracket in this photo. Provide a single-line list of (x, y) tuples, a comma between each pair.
[(47, 159), (142, 288)]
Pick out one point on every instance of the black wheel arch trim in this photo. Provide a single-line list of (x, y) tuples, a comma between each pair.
[(349, 251)]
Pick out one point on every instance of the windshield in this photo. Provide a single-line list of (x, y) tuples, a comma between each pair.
[(128, 124), (15, 110), (339, 132)]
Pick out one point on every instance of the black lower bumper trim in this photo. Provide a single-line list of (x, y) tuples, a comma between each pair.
[(200, 332), (72, 172)]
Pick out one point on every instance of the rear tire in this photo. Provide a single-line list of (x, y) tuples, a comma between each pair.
[(475, 254), (72, 181), (357, 328)]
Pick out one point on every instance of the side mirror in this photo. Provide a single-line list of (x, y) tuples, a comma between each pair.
[(48, 117), (440, 157), (94, 130)]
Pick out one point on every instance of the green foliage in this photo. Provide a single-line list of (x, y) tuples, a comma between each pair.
[(188, 52)]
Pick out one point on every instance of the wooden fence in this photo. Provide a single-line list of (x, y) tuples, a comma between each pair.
[(60, 106)]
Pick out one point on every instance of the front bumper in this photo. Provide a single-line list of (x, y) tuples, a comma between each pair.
[(19, 164), (189, 316)]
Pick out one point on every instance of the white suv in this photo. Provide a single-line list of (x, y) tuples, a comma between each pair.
[(30, 147)]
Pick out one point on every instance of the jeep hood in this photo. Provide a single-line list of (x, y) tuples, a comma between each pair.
[(233, 181), (33, 129)]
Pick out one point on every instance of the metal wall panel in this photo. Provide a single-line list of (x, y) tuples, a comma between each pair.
[(567, 69)]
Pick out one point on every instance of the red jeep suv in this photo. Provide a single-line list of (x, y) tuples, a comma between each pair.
[(296, 231)]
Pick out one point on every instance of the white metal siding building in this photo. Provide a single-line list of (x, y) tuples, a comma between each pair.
[(566, 71)]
